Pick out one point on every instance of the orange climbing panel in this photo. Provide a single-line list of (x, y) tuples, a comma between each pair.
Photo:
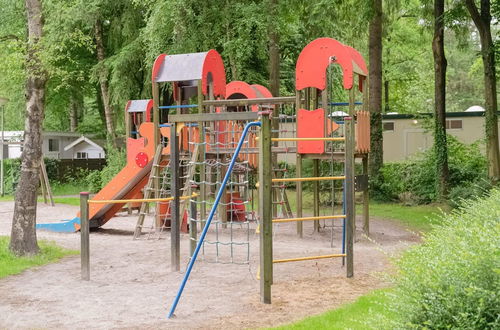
[(311, 124)]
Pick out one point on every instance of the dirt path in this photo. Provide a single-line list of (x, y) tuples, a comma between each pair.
[(132, 287)]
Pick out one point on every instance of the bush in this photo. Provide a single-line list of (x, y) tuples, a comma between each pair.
[(452, 280), (116, 161), (415, 180), (12, 170)]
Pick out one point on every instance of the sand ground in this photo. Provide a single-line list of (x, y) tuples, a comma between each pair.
[(132, 286)]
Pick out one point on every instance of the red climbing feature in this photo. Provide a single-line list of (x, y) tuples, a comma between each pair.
[(311, 124)]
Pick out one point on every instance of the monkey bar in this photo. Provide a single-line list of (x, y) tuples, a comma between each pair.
[(328, 256), (321, 217)]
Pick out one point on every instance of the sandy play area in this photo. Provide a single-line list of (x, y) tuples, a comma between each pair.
[(131, 285)]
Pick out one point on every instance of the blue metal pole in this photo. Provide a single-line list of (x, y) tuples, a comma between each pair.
[(339, 104), (210, 217)]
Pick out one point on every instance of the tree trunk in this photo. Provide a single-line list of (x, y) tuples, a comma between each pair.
[(103, 81), (23, 239), (482, 21), (440, 64), (274, 51), (386, 96), (375, 92), (75, 106)]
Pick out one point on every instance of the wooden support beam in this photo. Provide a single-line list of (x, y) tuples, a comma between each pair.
[(265, 211), (207, 117), (316, 194), (298, 171), (45, 177), (349, 191), (328, 256), (244, 102), (193, 229), (84, 236), (174, 204), (366, 201), (202, 156)]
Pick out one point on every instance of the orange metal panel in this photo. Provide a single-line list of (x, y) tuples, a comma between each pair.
[(311, 124)]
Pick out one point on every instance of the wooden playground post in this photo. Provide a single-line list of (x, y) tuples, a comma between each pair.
[(366, 201), (84, 236), (316, 193), (174, 204), (45, 183), (156, 137), (349, 186), (265, 210), (193, 229), (298, 170), (202, 156), (366, 192)]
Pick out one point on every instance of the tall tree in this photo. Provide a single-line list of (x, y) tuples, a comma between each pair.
[(375, 90), (440, 64), (23, 235), (482, 21), (274, 52), (103, 81)]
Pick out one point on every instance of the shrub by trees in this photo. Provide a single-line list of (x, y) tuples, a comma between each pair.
[(452, 280)]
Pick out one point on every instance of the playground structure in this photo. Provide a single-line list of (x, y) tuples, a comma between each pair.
[(195, 149)]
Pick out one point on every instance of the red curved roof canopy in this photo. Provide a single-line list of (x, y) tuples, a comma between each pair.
[(240, 89), (140, 106), (315, 58), (206, 66), (263, 91)]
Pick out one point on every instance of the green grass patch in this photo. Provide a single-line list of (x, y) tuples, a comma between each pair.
[(49, 252), (68, 200), (355, 315), (420, 217), (64, 189)]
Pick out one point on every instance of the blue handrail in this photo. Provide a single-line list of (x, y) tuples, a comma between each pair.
[(210, 216), (340, 104)]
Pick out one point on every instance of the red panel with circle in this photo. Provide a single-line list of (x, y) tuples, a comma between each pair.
[(141, 159)]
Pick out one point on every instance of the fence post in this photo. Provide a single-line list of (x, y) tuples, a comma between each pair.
[(84, 236), (265, 210)]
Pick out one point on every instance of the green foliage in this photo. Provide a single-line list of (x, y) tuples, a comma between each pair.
[(116, 161), (413, 181), (94, 181), (452, 281), (10, 264), (12, 170)]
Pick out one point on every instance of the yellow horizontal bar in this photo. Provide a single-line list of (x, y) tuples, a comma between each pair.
[(278, 261), (123, 201), (308, 139), (321, 217), (319, 178)]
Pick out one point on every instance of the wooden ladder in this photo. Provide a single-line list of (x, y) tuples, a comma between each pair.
[(148, 190)]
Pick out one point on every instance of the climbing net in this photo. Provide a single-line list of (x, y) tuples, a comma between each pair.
[(228, 238)]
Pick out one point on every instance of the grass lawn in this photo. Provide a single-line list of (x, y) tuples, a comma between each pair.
[(420, 217), (65, 189), (355, 315), (10, 264)]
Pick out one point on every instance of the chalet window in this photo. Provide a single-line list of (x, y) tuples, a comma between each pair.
[(388, 126), (454, 124), (53, 145), (81, 155)]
